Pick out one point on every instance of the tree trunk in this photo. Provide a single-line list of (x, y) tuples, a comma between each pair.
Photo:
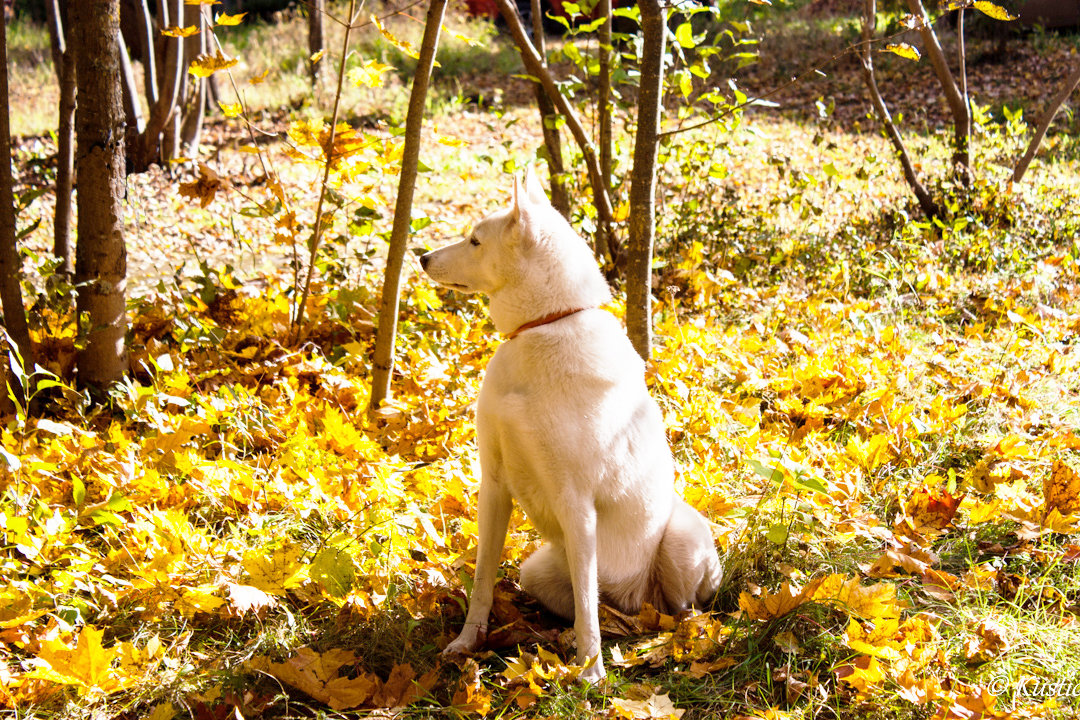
[(961, 112), (162, 130), (64, 64), (869, 23), (560, 198), (10, 263), (194, 110), (605, 234), (1044, 125), (537, 67), (136, 123), (383, 361), (643, 179), (100, 255), (316, 38)]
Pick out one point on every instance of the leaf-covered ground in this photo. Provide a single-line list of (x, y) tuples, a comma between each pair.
[(879, 416)]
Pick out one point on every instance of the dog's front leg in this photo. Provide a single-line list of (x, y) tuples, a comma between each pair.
[(580, 534), (492, 521)]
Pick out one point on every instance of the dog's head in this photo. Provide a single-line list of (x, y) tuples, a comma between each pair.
[(525, 257), (485, 259)]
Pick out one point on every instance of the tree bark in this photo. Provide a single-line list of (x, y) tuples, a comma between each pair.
[(316, 37), (162, 131), (1048, 117), (10, 263), (869, 23), (560, 198), (100, 255), (194, 110), (535, 66), (958, 106), (605, 237), (64, 64), (136, 123), (383, 361), (643, 180)]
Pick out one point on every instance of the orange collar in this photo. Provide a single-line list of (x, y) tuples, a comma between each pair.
[(543, 321)]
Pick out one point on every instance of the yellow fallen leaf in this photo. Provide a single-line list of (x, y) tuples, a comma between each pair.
[(1061, 489), (277, 572), (88, 665)]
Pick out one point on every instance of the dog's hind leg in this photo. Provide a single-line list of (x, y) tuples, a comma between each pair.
[(546, 576), (688, 568)]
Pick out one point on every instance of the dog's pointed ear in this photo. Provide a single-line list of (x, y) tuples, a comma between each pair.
[(533, 188), (520, 198)]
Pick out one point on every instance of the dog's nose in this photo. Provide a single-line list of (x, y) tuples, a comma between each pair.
[(424, 260)]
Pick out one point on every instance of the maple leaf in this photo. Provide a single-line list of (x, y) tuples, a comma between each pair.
[(277, 572), (988, 642), (783, 601), (334, 570), (206, 65), (224, 19), (317, 675), (471, 696), (402, 688), (403, 45), (245, 598), (369, 74), (654, 706), (930, 510), (863, 673), (203, 188), (180, 32), (231, 110), (1061, 489), (88, 665), (199, 599)]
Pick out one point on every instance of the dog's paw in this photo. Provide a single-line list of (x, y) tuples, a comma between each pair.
[(594, 672), (466, 643)]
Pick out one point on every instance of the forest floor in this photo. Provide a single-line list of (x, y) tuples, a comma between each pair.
[(877, 413)]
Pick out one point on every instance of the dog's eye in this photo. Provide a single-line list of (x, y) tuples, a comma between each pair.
[(474, 242)]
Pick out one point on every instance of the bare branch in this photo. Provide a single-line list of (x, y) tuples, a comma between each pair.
[(1048, 117), (869, 23)]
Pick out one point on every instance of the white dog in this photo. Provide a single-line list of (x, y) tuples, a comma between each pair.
[(565, 426)]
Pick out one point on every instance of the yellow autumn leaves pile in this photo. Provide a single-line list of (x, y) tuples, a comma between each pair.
[(239, 482)]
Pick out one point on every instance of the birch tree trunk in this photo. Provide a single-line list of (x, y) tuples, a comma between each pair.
[(642, 219), (100, 254), (383, 361)]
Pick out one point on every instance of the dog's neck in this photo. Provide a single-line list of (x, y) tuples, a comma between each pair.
[(547, 319)]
